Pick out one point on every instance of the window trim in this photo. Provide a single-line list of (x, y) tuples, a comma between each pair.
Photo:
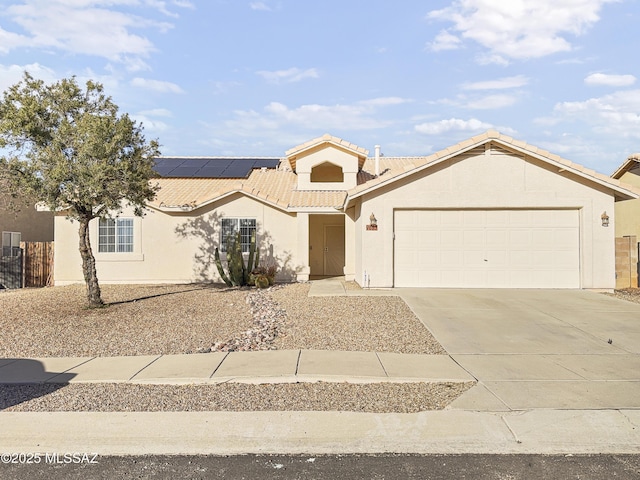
[(14, 248), (245, 237), (116, 235)]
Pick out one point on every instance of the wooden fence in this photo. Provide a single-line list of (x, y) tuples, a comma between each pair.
[(32, 267), (38, 264)]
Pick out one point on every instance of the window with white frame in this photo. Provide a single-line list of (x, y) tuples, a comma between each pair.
[(231, 226), (115, 235), (11, 244)]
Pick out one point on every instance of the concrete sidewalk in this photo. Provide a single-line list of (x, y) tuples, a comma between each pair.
[(275, 366)]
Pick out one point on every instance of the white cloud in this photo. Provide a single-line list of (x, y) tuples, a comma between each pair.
[(615, 114), (184, 4), (491, 102), (102, 28), (315, 118), (12, 74), (149, 124), (610, 80), (290, 75), (10, 40), (384, 101), (499, 84), (350, 117), (444, 41), (519, 29), (452, 124), (150, 119), (156, 85), (259, 6), (157, 112)]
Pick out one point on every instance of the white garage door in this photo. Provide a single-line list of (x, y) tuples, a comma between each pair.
[(487, 248)]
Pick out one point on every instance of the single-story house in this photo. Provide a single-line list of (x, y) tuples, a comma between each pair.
[(21, 221), (489, 212), (627, 228), (628, 213)]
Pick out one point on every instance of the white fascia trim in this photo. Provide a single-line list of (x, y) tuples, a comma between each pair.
[(191, 208)]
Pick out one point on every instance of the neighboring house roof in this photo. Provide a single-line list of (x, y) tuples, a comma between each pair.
[(628, 164), (277, 187)]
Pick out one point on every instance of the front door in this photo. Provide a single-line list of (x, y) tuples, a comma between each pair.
[(333, 250)]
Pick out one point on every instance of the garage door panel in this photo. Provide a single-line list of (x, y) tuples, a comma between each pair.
[(451, 238), (497, 258), (473, 258), (491, 249), (452, 258), (497, 217), (473, 218), (497, 238)]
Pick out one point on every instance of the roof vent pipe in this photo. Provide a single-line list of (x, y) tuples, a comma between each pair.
[(377, 147)]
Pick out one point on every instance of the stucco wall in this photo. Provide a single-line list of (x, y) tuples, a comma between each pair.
[(178, 248), (332, 155), (628, 211), (489, 181), (33, 225)]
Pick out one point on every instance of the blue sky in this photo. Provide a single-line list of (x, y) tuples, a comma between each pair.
[(236, 77)]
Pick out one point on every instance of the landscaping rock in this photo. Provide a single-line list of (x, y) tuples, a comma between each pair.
[(268, 320)]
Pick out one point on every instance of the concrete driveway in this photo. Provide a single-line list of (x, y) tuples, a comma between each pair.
[(565, 349)]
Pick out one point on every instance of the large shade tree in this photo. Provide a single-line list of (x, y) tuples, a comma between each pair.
[(69, 148)]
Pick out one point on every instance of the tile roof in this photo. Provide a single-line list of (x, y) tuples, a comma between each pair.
[(627, 165), (278, 186), (395, 168), (293, 153)]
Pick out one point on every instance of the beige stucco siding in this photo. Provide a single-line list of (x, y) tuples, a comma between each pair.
[(628, 211), (484, 181), (179, 248), (318, 158)]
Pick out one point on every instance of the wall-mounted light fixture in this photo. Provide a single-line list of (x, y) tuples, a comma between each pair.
[(373, 223), (605, 219)]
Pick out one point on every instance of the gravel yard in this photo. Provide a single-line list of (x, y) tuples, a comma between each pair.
[(376, 397), (140, 320), (629, 294), (380, 324), (174, 319)]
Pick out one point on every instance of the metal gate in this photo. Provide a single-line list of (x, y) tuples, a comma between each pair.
[(11, 271)]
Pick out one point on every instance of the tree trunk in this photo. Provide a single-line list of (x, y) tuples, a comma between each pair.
[(89, 265)]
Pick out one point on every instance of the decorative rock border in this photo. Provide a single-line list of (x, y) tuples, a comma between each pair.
[(268, 319)]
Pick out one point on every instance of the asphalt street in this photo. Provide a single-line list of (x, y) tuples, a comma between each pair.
[(477, 467)]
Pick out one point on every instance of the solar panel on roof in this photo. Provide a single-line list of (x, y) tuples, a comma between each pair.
[(211, 167), (266, 162), (237, 169), (210, 172), (196, 162), (184, 172)]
